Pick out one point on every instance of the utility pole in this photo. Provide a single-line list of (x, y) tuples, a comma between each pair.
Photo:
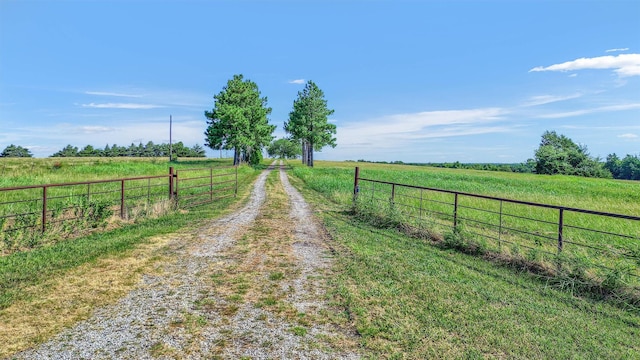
[(170, 143)]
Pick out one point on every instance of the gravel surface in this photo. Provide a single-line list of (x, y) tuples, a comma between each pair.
[(162, 317)]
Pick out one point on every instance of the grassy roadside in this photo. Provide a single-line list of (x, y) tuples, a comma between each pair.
[(409, 299), (47, 289)]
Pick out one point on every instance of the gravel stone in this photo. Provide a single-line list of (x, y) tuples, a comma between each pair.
[(150, 320)]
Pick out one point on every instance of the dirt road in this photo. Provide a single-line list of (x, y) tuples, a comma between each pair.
[(249, 285)]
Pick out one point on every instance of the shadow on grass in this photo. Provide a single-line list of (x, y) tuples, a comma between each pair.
[(539, 281)]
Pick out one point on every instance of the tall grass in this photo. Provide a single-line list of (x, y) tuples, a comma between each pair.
[(526, 235), (20, 270), (75, 210)]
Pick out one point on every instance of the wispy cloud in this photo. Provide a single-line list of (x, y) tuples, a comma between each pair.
[(106, 93), (396, 130), (590, 111), (94, 129), (548, 99), (628, 136), (624, 64), (617, 49), (297, 81), (121, 106)]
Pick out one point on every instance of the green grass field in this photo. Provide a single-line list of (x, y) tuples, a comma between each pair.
[(23, 171), (409, 299), (593, 255), (20, 270), (406, 298)]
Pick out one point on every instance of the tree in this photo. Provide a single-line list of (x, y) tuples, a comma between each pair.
[(239, 121), (15, 151), (284, 149), (630, 168), (558, 154), (614, 165), (67, 151), (88, 151), (308, 122)]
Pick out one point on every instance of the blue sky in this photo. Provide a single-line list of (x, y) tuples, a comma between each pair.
[(417, 81)]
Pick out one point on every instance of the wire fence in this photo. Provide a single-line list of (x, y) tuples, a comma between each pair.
[(598, 242), (30, 213)]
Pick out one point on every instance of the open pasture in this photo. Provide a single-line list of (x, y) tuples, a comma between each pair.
[(83, 194), (593, 246)]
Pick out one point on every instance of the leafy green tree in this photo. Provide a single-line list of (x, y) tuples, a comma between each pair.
[(284, 149), (67, 151), (630, 168), (614, 165), (308, 122), (15, 151), (238, 121), (558, 154)]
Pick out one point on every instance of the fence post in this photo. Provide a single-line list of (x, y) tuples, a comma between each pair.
[(122, 199), (393, 194), (500, 227), (455, 212), (170, 182), (560, 228), (236, 190), (44, 209), (356, 184)]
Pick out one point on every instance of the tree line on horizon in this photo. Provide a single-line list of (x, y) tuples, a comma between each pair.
[(556, 155), (149, 150)]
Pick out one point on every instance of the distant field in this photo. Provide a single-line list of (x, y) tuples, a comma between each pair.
[(618, 196), (73, 210), (22, 172), (593, 251)]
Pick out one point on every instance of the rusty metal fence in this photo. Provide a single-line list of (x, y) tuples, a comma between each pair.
[(202, 185), (27, 212), (598, 242)]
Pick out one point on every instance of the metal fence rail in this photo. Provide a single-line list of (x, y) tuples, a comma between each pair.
[(27, 212), (199, 186), (599, 241)]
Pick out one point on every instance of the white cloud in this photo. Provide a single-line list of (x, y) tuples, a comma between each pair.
[(121, 106), (592, 110), (628, 136), (547, 99), (106, 93), (618, 49), (297, 81), (400, 129), (94, 129), (573, 75), (624, 64)]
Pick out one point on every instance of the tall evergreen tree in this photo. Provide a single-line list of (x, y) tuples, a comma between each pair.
[(308, 122), (15, 151), (238, 121)]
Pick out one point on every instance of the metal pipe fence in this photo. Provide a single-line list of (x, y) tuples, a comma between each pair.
[(599, 242), (28, 212)]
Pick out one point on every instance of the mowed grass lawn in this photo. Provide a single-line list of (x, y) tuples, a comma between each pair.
[(410, 299)]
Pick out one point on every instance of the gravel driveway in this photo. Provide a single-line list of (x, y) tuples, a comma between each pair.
[(172, 314)]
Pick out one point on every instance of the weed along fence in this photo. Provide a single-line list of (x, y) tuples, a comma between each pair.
[(28, 214), (598, 244)]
